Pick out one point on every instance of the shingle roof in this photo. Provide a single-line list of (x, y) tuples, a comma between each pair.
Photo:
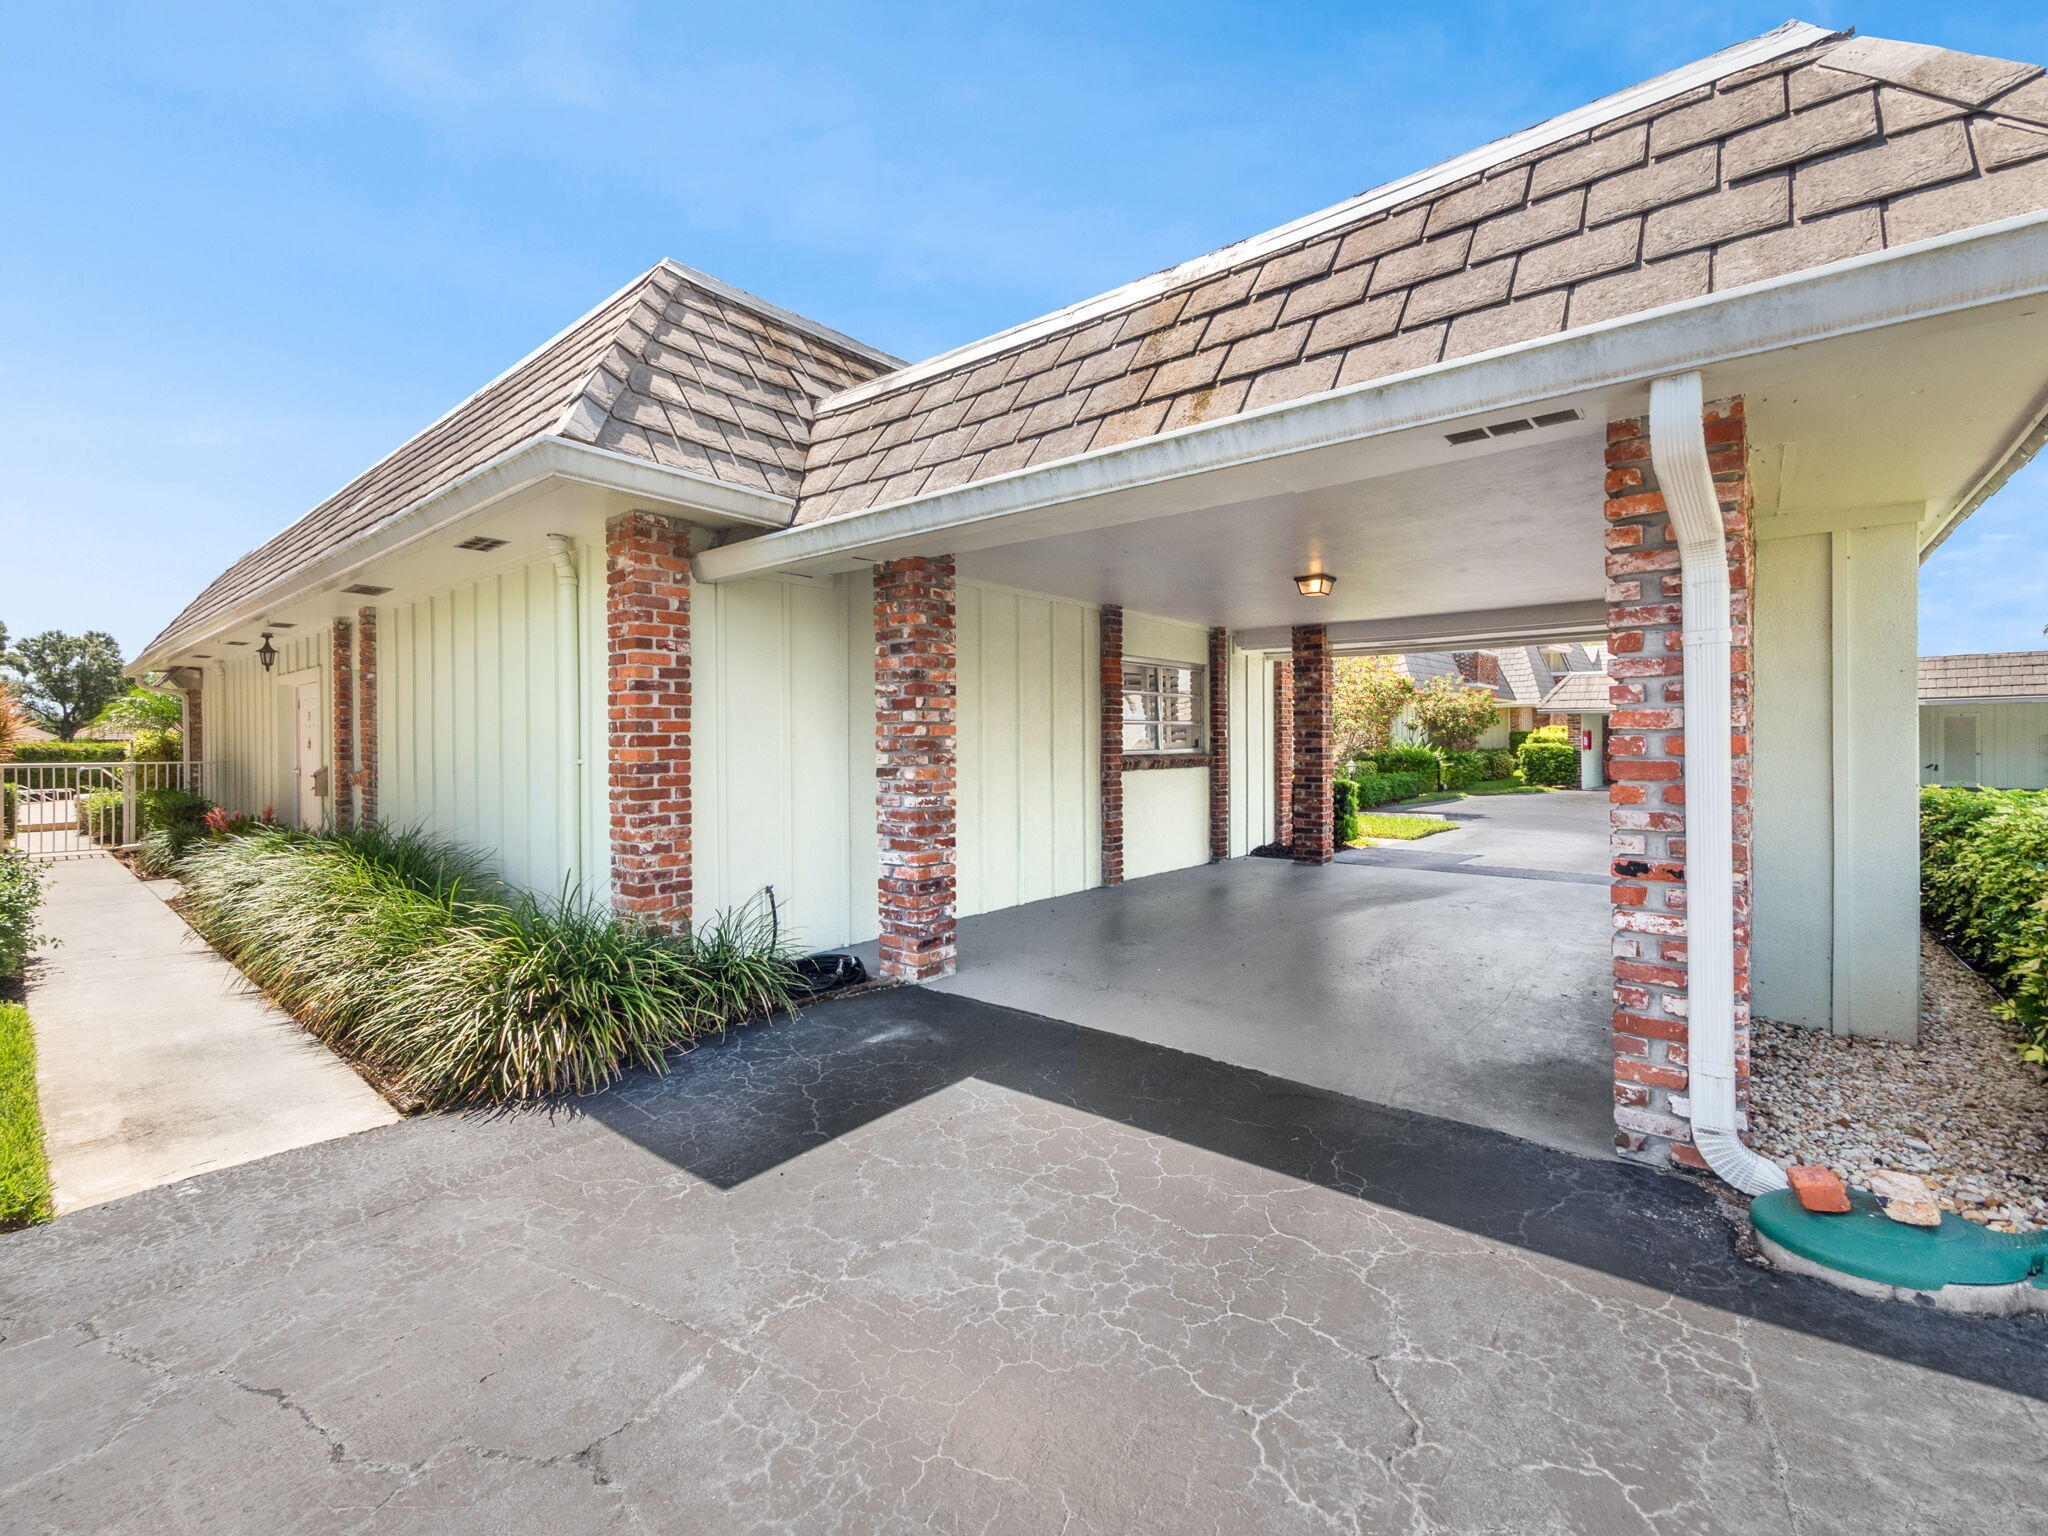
[(1985, 675), (1578, 693), (676, 367), (1840, 148)]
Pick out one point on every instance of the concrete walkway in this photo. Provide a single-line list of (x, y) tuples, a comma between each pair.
[(156, 1060)]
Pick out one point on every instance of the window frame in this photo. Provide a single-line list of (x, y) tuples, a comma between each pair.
[(1197, 695)]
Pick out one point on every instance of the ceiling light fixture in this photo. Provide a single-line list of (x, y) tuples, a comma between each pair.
[(1315, 584)]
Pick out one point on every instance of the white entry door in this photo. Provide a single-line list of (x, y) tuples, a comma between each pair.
[(306, 751), (1960, 758)]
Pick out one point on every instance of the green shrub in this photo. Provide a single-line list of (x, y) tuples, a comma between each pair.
[(1546, 761), (1407, 758), (156, 744), (1984, 886), (1515, 740), (1549, 733), (24, 1170), (1344, 811), (1384, 788), (8, 795), (171, 807), (1461, 770), (400, 949), (1501, 764), (21, 892), (70, 751)]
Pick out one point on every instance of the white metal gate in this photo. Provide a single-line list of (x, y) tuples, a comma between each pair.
[(77, 810)]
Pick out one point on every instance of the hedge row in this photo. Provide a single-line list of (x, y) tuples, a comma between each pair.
[(1984, 888), (69, 752)]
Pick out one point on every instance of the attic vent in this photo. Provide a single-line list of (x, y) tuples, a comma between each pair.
[(366, 591), (481, 543), (202, 656), (234, 642), (282, 623), (1509, 428)]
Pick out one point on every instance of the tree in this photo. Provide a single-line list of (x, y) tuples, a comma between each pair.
[(141, 709), (1454, 713), (66, 680), (1366, 696)]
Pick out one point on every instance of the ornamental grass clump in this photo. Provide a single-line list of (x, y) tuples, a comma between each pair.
[(401, 950)]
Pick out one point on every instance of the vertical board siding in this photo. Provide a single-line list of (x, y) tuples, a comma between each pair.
[(248, 725), (2012, 745), (469, 745), (773, 709), (1028, 811)]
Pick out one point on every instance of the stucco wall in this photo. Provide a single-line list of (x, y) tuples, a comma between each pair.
[(1836, 738)]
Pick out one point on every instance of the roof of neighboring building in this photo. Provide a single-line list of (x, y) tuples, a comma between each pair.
[(675, 367), (1426, 666), (1988, 675), (1725, 174), (1578, 693)]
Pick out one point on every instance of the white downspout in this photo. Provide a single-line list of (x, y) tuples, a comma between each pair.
[(568, 708), (1678, 451)]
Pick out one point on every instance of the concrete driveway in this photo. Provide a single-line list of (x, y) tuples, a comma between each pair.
[(918, 1264), (1465, 975)]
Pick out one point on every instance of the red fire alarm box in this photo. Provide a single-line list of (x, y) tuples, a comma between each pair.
[(1586, 740)]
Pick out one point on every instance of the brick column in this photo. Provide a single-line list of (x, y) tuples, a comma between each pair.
[(1110, 728), (192, 735), (366, 715), (1219, 745), (341, 768), (1646, 762), (916, 766), (647, 674), (1313, 839), (1283, 751)]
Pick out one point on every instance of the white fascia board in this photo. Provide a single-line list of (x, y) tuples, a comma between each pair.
[(540, 459), (1950, 273), (1789, 38)]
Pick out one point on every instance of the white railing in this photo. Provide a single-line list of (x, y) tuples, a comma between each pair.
[(75, 810)]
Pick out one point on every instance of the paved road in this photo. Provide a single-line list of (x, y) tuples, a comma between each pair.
[(917, 1264), (155, 1059)]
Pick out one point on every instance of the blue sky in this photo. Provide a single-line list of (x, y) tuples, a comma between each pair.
[(248, 249)]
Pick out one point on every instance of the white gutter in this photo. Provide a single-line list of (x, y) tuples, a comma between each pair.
[(1930, 278), (568, 706), (1678, 451)]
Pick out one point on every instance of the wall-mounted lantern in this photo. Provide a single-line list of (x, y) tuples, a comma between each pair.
[(267, 653)]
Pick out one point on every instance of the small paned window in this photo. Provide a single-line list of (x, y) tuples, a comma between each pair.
[(1164, 706)]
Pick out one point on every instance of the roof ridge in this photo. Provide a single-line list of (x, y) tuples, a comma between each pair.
[(1788, 38)]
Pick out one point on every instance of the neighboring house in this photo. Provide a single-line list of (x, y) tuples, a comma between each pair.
[(1984, 719), (704, 596), (1520, 676), (1581, 701)]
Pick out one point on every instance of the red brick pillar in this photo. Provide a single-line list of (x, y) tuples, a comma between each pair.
[(1313, 839), (1283, 751), (341, 769), (366, 715), (916, 764), (1646, 762), (1110, 726), (193, 737), (647, 673), (1219, 745)]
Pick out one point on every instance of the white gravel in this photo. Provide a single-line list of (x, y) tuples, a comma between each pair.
[(1960, 1108)]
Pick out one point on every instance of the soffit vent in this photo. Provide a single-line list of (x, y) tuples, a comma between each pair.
[(366, 591), (481, 543), (1509, 428), (280, 623)]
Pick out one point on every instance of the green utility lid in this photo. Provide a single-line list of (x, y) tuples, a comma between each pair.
[(1868, 1244)]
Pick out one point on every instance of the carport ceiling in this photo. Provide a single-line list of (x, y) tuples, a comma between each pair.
[(1507, 527)]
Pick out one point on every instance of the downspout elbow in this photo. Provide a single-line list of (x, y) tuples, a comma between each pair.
[(1678, 452)]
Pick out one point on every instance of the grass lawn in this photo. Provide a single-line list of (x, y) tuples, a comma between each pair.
[(24, 1172), (1513, 786), (1404, 829)]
